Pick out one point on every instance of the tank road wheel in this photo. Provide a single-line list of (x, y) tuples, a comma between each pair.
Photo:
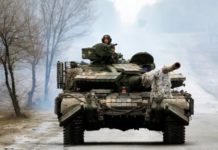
[(173, 133), (74, 132)]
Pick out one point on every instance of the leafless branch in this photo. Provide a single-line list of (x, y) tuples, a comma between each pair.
[(63, 21)]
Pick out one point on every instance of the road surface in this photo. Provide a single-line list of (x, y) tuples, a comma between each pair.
[(202, 134)]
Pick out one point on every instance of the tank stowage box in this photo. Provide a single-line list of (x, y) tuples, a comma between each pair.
[(111, 92)]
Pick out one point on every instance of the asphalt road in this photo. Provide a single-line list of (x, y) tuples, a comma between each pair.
[(202, 134)]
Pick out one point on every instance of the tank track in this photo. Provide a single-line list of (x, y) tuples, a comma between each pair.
[(173, 133), (74, 132)]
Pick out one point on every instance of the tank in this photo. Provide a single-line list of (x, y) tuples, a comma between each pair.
[(111, 92)]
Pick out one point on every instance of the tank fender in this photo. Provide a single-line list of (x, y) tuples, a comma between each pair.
[(178, 102), (177, 113), (70, 114), (71, 105), (71, 101)]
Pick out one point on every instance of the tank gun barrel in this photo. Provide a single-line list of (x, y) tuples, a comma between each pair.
[(171, 68)]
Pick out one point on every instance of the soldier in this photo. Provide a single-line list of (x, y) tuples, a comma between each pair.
[(106, 39)]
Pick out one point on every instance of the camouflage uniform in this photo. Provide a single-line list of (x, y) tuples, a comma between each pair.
[(160, 84)]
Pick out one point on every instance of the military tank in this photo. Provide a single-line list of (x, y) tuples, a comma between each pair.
[(110, 92)]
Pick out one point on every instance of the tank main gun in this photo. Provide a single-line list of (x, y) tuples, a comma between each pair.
[(171, 68)]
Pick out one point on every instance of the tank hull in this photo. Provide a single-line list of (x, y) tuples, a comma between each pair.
[(122, 111)]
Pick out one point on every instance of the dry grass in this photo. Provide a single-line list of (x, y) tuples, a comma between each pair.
[(10, 124), (12, 127)]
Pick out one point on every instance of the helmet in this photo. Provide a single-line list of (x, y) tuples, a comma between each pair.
[(108, 37)]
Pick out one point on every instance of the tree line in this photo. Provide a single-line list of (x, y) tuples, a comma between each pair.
[(33, 32)]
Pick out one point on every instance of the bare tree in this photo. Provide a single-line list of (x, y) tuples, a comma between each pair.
[(63, 21), (34, 54), (20, 39), (11, 28), (33, 42)]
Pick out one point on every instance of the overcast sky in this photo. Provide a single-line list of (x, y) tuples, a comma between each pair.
[(171, 30)]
